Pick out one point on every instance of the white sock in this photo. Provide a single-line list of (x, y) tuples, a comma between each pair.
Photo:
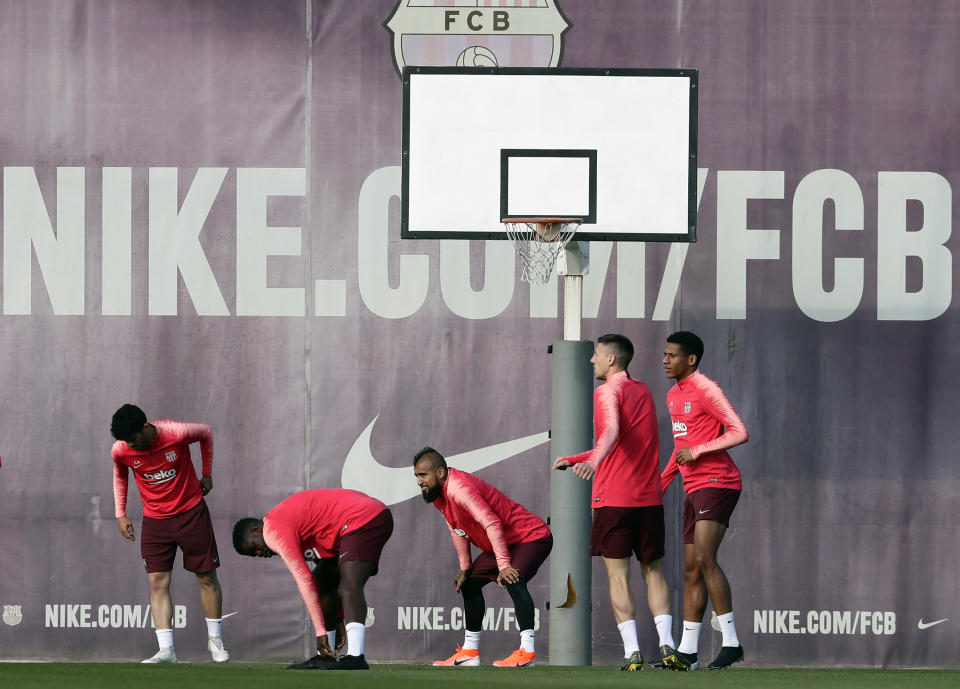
[(471, 640), (165, 638), (355, 636), (665, 629), (628, 632), (690, 640), (526, 640), (728, 629), (214, 628)]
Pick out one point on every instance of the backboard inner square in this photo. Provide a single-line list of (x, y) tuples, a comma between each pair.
[(548, 186)]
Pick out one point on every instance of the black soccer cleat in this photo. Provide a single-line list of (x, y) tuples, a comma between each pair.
[(315, 662), (727, 656), (633, 663), (682, 661), (351, 663), (668, 655)]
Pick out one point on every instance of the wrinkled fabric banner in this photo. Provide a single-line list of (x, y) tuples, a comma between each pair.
[(200, 215)]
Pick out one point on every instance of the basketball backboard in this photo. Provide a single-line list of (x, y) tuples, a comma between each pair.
[(615, 147)]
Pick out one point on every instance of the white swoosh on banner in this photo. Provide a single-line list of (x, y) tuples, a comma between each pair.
[(926, 625), (362, 471)]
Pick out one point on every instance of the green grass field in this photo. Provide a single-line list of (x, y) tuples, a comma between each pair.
[(244, 675)]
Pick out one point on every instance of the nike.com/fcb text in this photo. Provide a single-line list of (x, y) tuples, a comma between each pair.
[(437, 618), (88, 616), (824, 622)]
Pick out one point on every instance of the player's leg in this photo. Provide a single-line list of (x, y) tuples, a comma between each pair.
[(482, 572), (526, 558), (708, 535), (611, 538), (200, 555), (158, 547), (694, 596), (658, 600), (359, 560), (649, 546)]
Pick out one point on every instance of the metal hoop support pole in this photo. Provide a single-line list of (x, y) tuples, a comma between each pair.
[(571, 424)]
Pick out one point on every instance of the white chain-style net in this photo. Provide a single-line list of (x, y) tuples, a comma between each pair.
[(538, 256)]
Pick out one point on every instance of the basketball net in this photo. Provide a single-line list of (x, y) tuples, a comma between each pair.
[(538, 243)]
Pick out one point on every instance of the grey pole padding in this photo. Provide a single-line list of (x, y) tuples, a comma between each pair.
[(571, 424)]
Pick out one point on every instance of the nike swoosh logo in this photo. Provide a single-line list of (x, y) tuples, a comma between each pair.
[(926, 625), (704, 511), (461, 662), (362, 471), (229, 614)]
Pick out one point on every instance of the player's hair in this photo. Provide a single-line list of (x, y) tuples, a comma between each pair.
[(438, 461), (689, 343), (240, 532), (127, 421), (621, 346)]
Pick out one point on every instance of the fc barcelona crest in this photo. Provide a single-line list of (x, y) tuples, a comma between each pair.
[(467, 33), (13, 614)]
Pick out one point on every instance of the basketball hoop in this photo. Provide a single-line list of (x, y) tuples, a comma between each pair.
[(538, 242)]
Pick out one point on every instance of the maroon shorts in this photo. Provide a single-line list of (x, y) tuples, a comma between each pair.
[(191, 531), (619, 531), (715, 504), (526, 558), (366, 543)]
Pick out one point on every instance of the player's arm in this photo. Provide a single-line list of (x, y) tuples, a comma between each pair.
[(120, 481), (716, 404), (669, 472), (285, 543), (462, 547), (606, 423), (471, 502), (203, 434)]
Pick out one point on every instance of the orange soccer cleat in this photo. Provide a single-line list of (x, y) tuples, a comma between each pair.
[(462, 658), (518, 658)]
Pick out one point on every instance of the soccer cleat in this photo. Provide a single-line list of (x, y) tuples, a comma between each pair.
[(164, 655), (633, 663), (668, 656), (464, 657), (683, 661), (315, 662), (217, 651), (351, 663), (518, 658), (727, 656)]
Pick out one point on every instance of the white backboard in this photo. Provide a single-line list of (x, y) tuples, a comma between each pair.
[(615, 147)]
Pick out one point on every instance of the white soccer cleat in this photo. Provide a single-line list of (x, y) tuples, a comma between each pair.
[(219, 653), (164, 655)]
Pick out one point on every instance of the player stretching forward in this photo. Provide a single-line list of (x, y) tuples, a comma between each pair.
[(513, 542), (174, 515), (705, 426), (627, 499), (343, 533)]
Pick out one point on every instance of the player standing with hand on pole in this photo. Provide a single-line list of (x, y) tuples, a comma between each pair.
[(705, 426), (174, 515), (513, 542), (627, 499)]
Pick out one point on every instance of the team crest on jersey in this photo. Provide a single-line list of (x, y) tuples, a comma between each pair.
[(171, 456), (687, 406), (13, 614), (466, 33)]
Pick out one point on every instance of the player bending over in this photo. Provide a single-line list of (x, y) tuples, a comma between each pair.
[(342, 532), (513, 543)]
